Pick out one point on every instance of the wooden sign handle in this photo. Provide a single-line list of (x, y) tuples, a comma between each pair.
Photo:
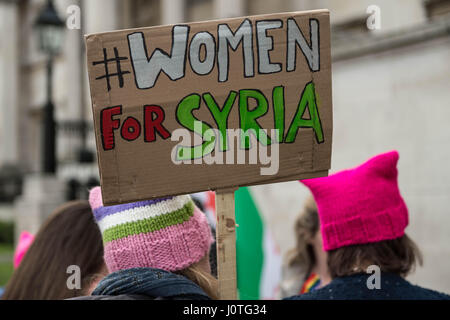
[(226, 244)]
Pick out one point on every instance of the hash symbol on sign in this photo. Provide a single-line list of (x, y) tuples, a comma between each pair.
[(119, 73)]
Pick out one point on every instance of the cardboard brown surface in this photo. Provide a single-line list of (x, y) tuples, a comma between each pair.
[(136, 169)]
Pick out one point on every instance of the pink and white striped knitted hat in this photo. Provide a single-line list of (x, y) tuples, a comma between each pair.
[(168, 233)]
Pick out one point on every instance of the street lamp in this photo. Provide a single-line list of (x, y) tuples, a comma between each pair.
[(50, 32)]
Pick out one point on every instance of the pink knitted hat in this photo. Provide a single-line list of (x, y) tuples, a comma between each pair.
[(168, 233), (360, 205)]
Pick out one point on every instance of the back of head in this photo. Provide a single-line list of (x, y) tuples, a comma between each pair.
[(363, 218), (70, 236)]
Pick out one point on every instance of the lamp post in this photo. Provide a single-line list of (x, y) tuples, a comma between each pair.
[(50, 31)]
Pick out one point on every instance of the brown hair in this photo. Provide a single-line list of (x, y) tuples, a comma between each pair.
[(398, 256), (70, 236), (306, 227)]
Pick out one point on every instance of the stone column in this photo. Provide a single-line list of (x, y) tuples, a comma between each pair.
[(228, 8), (41, 195), (172, 11), (9, 90)]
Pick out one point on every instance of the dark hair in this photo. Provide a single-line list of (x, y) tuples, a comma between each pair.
[(70, 236), (398, 256), (306, 226)]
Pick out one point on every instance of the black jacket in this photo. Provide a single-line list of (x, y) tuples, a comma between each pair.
[(393, 287)]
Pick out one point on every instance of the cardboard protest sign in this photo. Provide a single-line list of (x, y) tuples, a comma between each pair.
[(211, 105)]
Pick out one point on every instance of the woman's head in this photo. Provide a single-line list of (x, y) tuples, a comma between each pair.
[(306, 234), (69, 237), (364, 218), (169, 233), (398, 256)]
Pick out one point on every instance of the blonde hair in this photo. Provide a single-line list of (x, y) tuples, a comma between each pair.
[(205, 280), (306, 226)]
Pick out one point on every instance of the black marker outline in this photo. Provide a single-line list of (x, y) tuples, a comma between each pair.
[(101, 126), (162, 52), (122, 129), (304, 127), (192, 113), (240, 123), (297, 45), (272, 47), (221, 110), (206, 54), (147, 106), (234, 50), (284, 111)]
